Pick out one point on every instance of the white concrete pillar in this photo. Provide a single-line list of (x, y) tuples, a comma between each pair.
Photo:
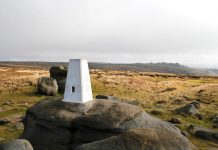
[(78, 85)]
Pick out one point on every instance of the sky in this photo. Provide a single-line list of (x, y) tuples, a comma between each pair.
[(117, 31)]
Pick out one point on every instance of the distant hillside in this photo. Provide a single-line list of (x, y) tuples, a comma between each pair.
[(175, 68), (33, 64), (156, 67), (149, 67)]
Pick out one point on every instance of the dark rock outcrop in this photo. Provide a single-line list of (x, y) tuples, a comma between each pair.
[(17, 144), (58, 125), (47, 86), (204, 133), (187, 110), (59, 73)]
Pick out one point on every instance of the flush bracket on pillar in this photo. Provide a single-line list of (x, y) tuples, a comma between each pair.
[(73, 89)]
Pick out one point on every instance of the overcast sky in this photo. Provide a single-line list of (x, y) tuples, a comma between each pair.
[(184, 31)]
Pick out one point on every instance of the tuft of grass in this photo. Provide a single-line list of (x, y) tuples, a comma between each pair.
[(14, 105)]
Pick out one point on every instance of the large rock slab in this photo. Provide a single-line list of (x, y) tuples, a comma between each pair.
[(17, 144), (204, 133), (59, 73), (47, 86), (58, 125), (139, 139)]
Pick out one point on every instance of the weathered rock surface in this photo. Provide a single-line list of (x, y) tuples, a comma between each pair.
[(138, 139), (57, 125), (17, 144), (187, 110), (47, 86), (196, 104), (204, 133), (59, 73), (185, 133)]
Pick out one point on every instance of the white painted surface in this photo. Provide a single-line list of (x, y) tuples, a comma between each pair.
[(79, 78)]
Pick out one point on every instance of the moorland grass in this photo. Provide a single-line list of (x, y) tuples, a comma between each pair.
[(138, 88)]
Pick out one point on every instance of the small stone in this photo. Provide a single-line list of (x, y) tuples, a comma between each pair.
[(178, 102), (199, 116), (215, 119), (3, 122), (47, 86), (19, 126), (84, 113), (161, 102), (156, 112), (175, 121), (215, 125)]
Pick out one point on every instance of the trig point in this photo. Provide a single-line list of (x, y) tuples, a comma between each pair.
[(78, 86)]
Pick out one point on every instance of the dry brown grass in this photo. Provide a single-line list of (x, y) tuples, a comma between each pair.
[(152, 91), (163, 93), (14, 78), (17, 93)]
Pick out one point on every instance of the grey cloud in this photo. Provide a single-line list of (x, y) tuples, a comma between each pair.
[(113, 31)]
